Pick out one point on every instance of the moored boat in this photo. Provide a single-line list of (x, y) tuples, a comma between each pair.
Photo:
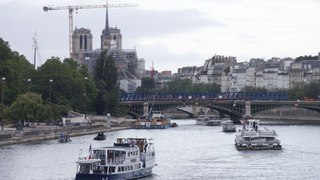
[(128, 158), (156, 121), (100, 137), (63, 138), (228, 126), (208, 120), (251, 137)]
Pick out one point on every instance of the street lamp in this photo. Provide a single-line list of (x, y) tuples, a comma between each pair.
[(3, 79), (2, 86), (29, 80), (85, 99), (50, 82)]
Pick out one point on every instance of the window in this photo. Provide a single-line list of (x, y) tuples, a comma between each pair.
[(80, 41), (85, 41), (112, 169)]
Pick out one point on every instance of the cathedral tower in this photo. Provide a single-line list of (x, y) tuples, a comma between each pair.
[(111, 38)]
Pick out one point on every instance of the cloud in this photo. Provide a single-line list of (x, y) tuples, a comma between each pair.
[(156, 23), (163, 59), (138, 22)]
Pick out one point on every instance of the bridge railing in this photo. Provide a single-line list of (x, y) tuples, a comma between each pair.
[(204, 96)]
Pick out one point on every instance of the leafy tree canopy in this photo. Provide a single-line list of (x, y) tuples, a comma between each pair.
[(27, 107), (16, 69), (147, 86), (186, 86), (106, 77), (301, 58)]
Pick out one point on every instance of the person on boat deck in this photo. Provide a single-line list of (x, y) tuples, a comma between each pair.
[(145, 147)]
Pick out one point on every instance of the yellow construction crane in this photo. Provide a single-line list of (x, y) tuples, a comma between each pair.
[(77, 7)]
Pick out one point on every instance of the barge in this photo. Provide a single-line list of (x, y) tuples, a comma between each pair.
[(156, 121)]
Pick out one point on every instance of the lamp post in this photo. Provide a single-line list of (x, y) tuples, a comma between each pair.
[(50, 86), (50, 82), (85, 99), (2, 86), (29, 80), (3, 79)]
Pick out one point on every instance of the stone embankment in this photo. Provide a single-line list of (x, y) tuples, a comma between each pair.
[(43, 133), (290, 115)]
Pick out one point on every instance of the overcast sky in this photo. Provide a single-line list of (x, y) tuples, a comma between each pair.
[(172, 33)]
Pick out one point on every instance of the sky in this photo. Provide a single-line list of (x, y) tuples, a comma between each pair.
[(171, 33)]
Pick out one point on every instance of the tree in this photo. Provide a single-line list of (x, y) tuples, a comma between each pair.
[(106, 77), (186, 86), (27, 107), (311, 90), (250, 89), (69, 86), (148, 85), (301, 58), (16, 69)]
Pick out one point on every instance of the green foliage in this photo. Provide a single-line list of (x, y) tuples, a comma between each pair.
[(249, 89), (29, 107), (16, 69), (69, 87), (311, 90), (301, 58), (5, 51), (106, 76), (186, 86), (148, 85)]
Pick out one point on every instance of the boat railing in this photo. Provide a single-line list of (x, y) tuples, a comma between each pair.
[(118, 160)]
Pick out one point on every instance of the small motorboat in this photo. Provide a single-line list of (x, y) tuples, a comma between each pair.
[(100, 137), (63, 138), (208, 120), (174, 124), (228, 126)]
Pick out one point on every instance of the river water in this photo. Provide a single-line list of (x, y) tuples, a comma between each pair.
[(187, 152)]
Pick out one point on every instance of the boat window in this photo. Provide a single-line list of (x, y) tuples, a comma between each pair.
[(112, 169), (84, 169)]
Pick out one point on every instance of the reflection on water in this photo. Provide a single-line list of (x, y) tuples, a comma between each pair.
[(186, 152)]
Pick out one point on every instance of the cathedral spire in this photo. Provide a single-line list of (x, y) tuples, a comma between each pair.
[(106, 30)]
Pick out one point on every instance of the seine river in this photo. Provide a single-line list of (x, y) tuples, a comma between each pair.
[(186, 152)]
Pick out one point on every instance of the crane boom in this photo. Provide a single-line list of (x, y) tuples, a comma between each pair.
[(71, 8), (76, 7)]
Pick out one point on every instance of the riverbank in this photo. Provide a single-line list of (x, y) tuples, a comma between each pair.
[(39, 134)]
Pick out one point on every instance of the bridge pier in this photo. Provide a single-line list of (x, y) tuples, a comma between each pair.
[(248, 109)]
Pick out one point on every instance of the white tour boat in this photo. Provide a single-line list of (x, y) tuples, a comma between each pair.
[(208, 120), (228, 126), (251, 137), (128, 158)]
